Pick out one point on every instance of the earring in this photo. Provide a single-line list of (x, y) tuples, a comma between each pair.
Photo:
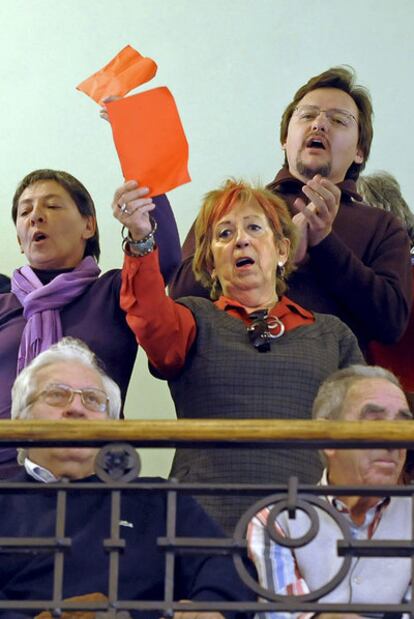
[(280, 271), (215, 289)]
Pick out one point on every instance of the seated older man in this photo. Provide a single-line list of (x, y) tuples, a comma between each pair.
[(352, 394), (65, 382)]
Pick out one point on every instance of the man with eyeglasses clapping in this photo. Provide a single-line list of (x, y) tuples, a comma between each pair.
[(353, 261)]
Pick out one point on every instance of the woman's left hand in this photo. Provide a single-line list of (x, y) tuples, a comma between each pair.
[(132, 208), (103, 113)]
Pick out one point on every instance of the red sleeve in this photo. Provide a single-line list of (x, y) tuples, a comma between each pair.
[(165, 329)]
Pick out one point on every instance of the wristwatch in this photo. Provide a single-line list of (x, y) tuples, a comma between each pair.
[(143, 246)]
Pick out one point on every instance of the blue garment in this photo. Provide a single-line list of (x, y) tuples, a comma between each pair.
[(141, 565)]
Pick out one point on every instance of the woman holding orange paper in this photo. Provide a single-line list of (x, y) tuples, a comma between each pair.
[(60, 291), (251, 354)]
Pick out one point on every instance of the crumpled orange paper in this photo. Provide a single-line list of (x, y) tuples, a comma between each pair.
[(150, 140), (125, 71), (77, 614)]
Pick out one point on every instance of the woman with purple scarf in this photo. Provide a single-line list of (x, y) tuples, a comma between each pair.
[(61, 291)]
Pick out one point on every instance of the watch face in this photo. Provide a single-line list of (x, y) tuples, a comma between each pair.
[(143, 247)]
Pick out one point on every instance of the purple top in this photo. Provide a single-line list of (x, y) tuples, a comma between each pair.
[(94, 317)]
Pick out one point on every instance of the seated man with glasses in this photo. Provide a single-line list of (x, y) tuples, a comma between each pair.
[(353, 261), (65, 382)]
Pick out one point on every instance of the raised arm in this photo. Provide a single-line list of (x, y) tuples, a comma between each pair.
[(165, 329)]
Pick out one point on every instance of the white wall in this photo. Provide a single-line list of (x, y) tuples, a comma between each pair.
[(232, 66)]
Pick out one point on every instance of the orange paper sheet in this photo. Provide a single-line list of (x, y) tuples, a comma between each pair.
[(150, 140), (123, 73)]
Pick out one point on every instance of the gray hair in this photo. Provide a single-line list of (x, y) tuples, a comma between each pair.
[(382, 190), (67, 349), (329, 401), (331, 395)]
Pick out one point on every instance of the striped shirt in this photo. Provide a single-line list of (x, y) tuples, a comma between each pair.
[(276, 565)]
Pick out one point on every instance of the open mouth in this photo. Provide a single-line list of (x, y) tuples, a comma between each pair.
[(315, 143), (39, 236), (243, 262)]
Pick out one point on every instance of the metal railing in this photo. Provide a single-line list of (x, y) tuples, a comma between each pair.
[(118, 466)]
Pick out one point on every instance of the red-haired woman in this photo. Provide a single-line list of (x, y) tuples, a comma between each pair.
[(251, 353)]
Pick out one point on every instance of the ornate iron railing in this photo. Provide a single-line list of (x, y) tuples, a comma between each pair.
[(118, 466)]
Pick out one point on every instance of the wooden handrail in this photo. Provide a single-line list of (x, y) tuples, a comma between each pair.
[(217, 431)]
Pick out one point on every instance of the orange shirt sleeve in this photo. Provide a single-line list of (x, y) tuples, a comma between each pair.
[(165, 329)]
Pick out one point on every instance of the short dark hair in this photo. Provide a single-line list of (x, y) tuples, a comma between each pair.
[(78, 192), (342, 78)]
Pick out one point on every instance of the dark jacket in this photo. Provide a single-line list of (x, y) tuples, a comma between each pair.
[(142, 563)]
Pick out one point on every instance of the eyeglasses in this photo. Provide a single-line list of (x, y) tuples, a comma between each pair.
[(60, 395), (260, 331), (337, 117)]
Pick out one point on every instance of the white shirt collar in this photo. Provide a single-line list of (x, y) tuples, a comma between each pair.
[(324, 479), (38, 472)]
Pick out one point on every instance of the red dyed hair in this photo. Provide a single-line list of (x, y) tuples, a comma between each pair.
[(222, 200)]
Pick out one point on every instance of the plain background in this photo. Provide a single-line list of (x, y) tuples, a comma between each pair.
[(232, 66)]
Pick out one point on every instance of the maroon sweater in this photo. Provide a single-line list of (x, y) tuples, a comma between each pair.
[(360, 272)]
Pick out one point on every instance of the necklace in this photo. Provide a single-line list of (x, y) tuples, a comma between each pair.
[(263, 330)]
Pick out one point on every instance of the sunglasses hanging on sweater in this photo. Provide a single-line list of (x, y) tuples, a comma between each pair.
[(263, 330)]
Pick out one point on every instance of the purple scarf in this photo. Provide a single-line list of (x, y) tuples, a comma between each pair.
[(41, 305)]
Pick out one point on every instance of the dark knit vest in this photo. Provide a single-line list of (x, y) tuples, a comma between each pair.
[(226, 377)]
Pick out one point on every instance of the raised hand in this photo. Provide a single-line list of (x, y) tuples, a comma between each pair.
[(103, 112), (132, 208)]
